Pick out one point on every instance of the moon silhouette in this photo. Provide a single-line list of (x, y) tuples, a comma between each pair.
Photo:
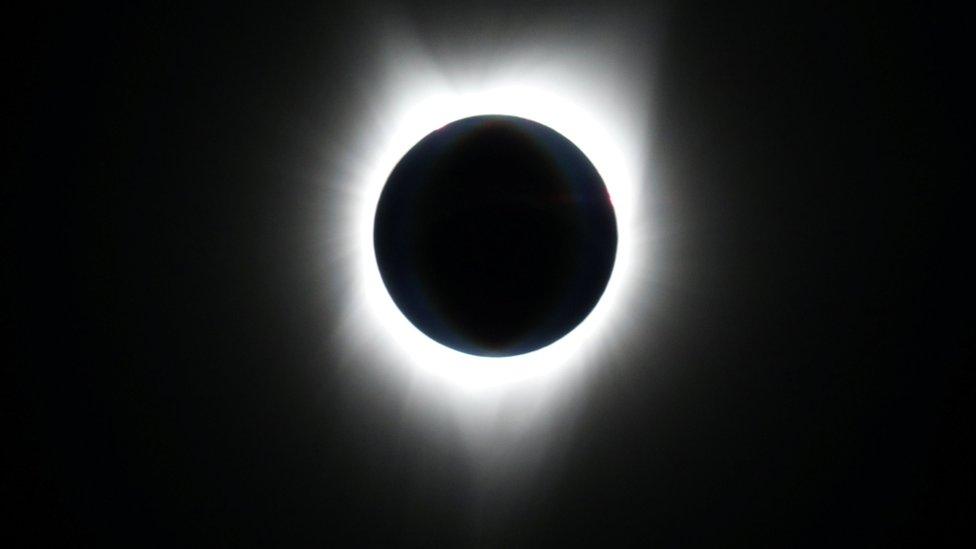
[(495, 235)]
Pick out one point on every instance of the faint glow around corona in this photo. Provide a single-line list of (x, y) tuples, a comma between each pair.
[(602, 126)]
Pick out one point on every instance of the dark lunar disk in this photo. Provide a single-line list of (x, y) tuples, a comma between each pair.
[(495, 235)]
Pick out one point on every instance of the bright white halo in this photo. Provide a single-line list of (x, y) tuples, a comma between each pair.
[(607, 125)]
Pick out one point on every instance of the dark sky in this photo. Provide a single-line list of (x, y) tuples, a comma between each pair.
[(179, 379)]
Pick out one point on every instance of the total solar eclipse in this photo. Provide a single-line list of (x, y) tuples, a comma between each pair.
[(495, 235)]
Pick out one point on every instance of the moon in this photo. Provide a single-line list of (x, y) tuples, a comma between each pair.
[(495, 235)]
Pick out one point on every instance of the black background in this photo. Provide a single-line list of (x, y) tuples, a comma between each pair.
[(172, 361)]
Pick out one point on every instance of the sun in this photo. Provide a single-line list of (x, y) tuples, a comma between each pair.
[(601, 125)]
